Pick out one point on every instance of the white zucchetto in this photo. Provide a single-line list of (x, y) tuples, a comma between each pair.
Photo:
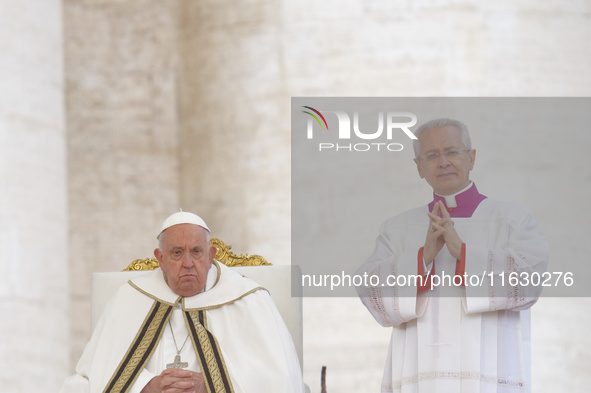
[(183, 218)]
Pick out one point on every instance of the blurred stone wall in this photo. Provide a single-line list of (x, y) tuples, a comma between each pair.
[(234, 123), (121, 62), (34, 342)]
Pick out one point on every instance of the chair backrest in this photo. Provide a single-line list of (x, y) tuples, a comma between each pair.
[(276, 279)]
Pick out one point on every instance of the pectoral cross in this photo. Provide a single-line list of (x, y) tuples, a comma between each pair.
[(177, 363)]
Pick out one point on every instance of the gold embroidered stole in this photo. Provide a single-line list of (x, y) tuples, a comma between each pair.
[(209, 354), (141, 349)]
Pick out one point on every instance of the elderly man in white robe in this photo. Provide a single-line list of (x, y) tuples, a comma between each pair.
[(467, 336), (193, 325)]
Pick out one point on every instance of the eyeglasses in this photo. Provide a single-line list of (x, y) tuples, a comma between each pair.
[(451, 155)]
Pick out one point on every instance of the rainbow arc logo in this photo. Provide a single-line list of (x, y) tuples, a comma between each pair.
[(315, 117)]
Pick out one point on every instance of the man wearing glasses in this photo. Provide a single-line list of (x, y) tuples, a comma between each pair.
[(470, 333)]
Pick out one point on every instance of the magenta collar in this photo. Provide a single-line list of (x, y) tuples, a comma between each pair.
[(467, 202)]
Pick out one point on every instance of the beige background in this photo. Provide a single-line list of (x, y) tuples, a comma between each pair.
[(115, 113)]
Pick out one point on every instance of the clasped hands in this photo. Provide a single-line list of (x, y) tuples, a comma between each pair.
[(176, 380), (441, 231)]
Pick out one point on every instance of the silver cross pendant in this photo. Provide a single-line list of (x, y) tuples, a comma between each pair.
[(177, 363)]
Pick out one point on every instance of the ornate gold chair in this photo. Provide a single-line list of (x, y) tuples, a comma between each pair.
[(276, 279)]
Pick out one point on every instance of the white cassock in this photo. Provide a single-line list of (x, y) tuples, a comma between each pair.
[(468, 342), (232, 332)]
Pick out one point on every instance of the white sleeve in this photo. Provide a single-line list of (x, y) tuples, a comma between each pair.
[(524, 249), (75, 384), (392, 305)]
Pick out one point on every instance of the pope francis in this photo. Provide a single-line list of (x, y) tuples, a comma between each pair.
[(193, 325)]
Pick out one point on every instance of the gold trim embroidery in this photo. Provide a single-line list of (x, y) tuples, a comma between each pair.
[(199, 308), (140, 350), (209, 354), (152, 296)]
